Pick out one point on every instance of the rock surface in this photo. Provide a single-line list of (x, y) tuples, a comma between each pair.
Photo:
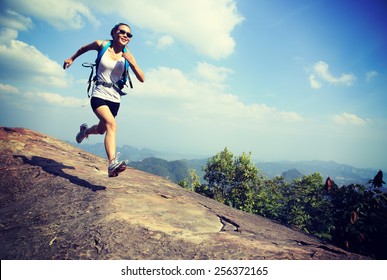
[(56, 202)]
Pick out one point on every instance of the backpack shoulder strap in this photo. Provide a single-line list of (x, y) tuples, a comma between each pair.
[(126, 72), (104, 46), (103, 49)]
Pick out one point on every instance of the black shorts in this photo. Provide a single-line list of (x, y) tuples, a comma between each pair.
[(97, 102)]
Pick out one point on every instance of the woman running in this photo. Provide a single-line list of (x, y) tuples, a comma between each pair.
[(106, 94)]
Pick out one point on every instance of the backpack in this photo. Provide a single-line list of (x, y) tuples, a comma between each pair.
[(117, 86)]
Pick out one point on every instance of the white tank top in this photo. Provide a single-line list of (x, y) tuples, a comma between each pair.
[(109, 71)]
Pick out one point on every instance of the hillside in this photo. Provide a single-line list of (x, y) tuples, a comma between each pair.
[(58, 203), (175, 171)]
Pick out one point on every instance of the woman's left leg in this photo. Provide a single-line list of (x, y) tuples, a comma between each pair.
[(107, 124)]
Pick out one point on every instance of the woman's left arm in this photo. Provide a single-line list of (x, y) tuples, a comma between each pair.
[(133, 65)]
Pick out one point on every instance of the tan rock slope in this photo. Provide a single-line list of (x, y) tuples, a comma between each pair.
[(56, 202)]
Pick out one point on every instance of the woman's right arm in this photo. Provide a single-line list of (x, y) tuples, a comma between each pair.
[(89, 47)]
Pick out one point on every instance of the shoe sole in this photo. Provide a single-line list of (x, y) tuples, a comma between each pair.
[(119, 169)]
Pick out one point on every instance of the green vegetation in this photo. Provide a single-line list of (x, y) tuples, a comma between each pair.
[(353, 217)]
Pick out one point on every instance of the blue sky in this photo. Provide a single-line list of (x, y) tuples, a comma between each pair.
[(284, 80)]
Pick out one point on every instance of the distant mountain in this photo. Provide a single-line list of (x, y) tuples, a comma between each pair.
[(342, 174), (133, 154), (292, 174), (175, 166), (126, 151)]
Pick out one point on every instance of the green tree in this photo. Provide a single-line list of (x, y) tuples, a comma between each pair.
[(194, 180), (219, 173), (269, 199), (204, 190), (245, 180), (183, 184), (232, 179), (307, 206), (193, 184)]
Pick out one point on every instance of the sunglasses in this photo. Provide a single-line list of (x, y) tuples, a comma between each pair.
[(123, 32)]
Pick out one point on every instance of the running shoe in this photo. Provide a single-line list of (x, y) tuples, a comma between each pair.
[(116, 166), (82, 133)]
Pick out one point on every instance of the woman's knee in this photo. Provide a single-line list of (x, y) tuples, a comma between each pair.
[(111, 125), (107, 121), (105, 126)]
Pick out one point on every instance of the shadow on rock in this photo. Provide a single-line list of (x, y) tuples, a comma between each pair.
[(55, 168)]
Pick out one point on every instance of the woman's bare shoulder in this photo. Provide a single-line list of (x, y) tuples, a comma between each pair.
[(102, 43)]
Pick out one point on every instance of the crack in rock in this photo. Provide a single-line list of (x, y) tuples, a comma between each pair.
[(326, 248), (228, 225)]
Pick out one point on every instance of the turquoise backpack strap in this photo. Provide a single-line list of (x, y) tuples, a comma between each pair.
[(126, 62), (101, 52), (126, 72)]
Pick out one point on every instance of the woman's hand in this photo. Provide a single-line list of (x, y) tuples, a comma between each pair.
[(129, 57), (67, 63)]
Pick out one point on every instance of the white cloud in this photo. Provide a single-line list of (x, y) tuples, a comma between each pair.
[(346, 118), (64, 14), (7, 35), (23, 62), (30, 65), (165, 41), (212, 73), (175, 95), (59, 100), (15, 21), (204, 24), (187, 111), (5, 88), (313, 82), (321, 70), (11, 23)]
